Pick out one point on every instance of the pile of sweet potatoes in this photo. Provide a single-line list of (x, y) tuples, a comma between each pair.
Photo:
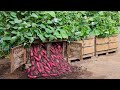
[(46, 66)]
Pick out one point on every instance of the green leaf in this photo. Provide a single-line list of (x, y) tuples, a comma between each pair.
[(51, 38), (77, 33), (49, 22), (41, 37), (52, 13), (29, 34), (13, 14), (101, 13), (97, 32), (48, 30), (6, 38), (63, 33), (34, 15), (27, 25), (17, 21), (57, 35), (31, 39), (34, 24), (13, 39), (42, 26), (14, 32), (46, 35), (15, 27)]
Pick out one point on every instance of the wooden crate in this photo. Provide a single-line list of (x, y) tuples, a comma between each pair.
[(47, 46), (49, 43), (74, 51), (88, 47), (106, 45)]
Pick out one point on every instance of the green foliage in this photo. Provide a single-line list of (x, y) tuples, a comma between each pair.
[(23, 27)]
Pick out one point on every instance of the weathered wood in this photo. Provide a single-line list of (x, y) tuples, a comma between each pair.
[(102, 40), (38, 41), (88, 55), (87, 50), (88, 42), (74, 50), (48, 49), (113, 39), (104, 45), (107, 52), (111, 50), (17, 57), (101, 47), (101, 52), (113, 45)]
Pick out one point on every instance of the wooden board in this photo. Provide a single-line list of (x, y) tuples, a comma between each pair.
[(106, 52), (18, 57), (102, 47), (81, 41), (113, 45), (88, 42), (102, 40), (87, 50), (88, 55), (113, 39)]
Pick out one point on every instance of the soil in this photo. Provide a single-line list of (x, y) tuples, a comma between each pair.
[(101, 67)]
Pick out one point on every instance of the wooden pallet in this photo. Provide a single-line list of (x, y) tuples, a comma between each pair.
[(88, 56), (106, 52)]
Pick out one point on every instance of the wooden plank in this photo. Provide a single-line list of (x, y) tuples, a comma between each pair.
[(88, 42), (81, 41), (111, 50), (87, 50), (88, 55), (64, 49), (113, 45), (102, 47), (101, 52), (101, 40), (48, 49), (17, 57), (113, 39), (72, 58), (37, 41)]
